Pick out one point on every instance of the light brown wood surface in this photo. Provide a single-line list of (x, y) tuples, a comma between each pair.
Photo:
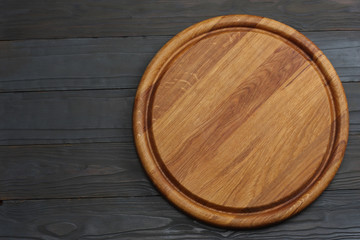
[(240, 121)]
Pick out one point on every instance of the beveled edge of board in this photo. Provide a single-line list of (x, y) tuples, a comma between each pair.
[(215, 216)]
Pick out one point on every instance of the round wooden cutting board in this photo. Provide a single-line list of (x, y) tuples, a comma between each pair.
[(240, 121)]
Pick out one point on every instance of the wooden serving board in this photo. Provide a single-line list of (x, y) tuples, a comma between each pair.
[(240, 121)]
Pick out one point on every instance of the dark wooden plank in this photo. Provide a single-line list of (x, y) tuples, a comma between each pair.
[(332, 216), (355, 122), (104, 170), (115, 63), (57, 117), (66, 171), (72, 64), (66, 117), (21, 19), (352, 91), (59, 136)]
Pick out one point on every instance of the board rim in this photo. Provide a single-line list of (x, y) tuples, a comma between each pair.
[(201, 211)]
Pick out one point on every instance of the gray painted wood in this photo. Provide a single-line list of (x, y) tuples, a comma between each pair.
[(22, 19), (74, 64), (332, 216), (115, 63), (105, 170), (68, 171), (66, 117)]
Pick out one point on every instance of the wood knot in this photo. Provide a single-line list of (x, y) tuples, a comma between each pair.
[(61, 228)]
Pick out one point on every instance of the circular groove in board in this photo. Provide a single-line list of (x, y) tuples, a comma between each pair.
[(240, 121)]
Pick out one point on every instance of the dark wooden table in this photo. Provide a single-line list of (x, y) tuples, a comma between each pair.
[(68, 75)]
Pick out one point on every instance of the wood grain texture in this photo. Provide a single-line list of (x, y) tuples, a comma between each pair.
[(105, 170), (21, 19), (101, 63), (74, 64), (244, 78), (332, 216), (72, 171), (66, 117)]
